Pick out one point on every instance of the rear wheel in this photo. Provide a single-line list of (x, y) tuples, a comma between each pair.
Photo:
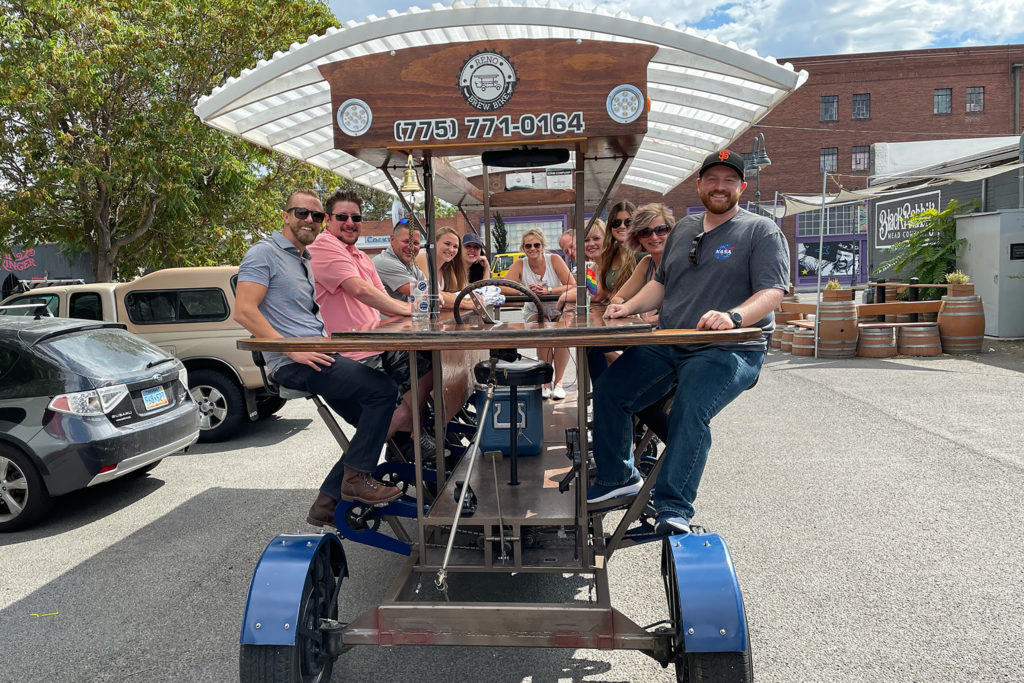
[(23, 495), (267, 406), (221, 404), (306, 661)]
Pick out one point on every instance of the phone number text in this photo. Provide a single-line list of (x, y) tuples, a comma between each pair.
[(424, 130)]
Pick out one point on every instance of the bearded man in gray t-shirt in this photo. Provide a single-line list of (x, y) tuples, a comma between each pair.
[(723, 269)]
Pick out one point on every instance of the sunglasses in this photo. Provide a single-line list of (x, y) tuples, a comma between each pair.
[(695, 246), (658, 230), (302, 214), (535, 245), (617, 223), (342, 217)]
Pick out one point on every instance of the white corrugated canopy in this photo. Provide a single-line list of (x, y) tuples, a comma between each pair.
[(704, 94)]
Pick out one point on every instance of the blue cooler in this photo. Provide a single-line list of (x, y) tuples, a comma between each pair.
[(527, 376)]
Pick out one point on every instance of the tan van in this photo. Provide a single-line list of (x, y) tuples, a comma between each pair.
[(188, 312)]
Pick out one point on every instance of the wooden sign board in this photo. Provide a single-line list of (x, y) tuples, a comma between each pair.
[(489, 93)]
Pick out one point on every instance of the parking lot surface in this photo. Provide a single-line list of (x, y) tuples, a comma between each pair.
[(871, 508)]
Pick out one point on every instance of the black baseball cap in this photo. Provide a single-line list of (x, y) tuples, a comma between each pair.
[(723, 158), (472, 238)]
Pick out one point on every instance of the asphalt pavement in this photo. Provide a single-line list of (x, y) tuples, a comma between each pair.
[(871, 508)]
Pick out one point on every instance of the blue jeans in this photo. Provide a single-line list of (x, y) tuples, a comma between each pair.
[(364, 397), (706, 380)]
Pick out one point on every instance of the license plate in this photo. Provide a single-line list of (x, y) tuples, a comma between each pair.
[(154, 398)]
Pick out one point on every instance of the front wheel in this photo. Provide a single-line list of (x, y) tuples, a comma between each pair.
[(221, 404), (307, 660), (716, 667)]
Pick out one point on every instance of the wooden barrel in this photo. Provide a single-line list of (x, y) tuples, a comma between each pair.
[(919, 341), (803, 342), (837, 329), (962, 324), (783, 318), (786, 344), (891, 294), (777, 338), (877, 342)]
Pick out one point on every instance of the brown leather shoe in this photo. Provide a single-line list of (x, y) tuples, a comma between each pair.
[(363, 488), (322, 512)]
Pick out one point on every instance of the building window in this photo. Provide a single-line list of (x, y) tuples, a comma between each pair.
[(862, 106), (943, 100), (861, 158), (829, 159), (830, 108), (841, 220), (975, 100)]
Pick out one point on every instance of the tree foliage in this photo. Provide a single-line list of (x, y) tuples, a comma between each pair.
[(931, 249), (499, 233), (100, 148)]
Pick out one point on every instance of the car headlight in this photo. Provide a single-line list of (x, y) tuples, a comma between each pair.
[(96, 402)]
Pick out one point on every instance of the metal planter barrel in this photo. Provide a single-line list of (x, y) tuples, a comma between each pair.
[(877, 342), (787, 338), (803, 342), (919, 341), (837, 329), (962, 324)]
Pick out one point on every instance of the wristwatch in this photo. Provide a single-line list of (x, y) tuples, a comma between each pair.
[(737, 319), (549, 289)]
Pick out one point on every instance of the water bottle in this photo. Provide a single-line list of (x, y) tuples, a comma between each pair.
[(420, 301)]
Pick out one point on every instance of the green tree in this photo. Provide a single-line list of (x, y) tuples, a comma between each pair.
[(499, 233), (100, 148), (931, 249)]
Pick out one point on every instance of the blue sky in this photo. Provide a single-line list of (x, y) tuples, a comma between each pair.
[(798, 28)]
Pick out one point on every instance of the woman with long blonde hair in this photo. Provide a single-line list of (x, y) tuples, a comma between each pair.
[(451, 270), (544, 274)]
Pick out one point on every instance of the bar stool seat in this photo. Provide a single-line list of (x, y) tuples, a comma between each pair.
[(524, 372)]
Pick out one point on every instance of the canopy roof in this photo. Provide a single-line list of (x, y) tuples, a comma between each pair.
[(702, 94)]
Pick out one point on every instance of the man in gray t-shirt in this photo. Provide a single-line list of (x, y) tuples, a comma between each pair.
[(274, 298), (723, 269), (396, 265)]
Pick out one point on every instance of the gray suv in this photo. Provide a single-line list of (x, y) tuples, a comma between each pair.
[(188, 313), (82, 403)]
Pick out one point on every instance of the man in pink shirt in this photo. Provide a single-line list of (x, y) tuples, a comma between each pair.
[(351, 296)]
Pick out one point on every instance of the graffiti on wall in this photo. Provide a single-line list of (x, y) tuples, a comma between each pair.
[(19, 261)]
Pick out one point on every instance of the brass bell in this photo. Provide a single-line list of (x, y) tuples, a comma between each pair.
[(410, 181)]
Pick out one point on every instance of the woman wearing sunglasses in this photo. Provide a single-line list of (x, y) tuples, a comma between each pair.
[(617, 259), (544, 274), (652, 224), (451, 269)]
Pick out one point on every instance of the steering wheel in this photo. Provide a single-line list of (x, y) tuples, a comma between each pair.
[(501, 282)]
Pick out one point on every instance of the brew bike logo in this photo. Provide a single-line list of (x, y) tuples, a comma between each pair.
[(488, 80)]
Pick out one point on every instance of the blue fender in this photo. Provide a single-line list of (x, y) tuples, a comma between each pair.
[(699, 568), (275, 593)]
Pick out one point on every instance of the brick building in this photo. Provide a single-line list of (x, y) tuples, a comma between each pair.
[(849, 103)]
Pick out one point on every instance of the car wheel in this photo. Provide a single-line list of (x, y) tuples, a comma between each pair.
[(23, 495), (266, 407), (221, 405)]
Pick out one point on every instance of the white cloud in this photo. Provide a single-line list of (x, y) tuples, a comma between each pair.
[(795, 28)]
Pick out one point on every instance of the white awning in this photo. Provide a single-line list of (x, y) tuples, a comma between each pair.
[(704, 94)]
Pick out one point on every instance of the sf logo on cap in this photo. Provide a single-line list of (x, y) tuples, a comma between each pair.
[(723, 155)]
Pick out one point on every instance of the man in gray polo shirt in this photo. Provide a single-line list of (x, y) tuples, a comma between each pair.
[(275, 298), (395, 265), (722, 269)]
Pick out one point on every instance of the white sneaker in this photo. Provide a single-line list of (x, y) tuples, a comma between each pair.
[(558, 393), (545, 392)]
